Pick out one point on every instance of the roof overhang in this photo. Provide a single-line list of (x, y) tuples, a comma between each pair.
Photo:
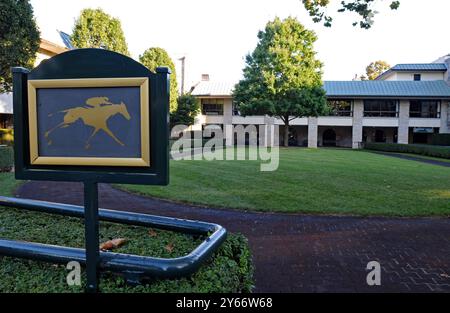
[(372, 97), (49, 48), (213, 96)]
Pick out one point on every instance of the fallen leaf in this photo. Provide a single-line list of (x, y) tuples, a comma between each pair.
[(106, 245), (152, 233), (112, 244), (169, 247)]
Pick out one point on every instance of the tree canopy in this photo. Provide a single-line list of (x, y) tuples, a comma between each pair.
[(96, 29), (364, 8), (282, 76), (19, 39), (375, 69), (187, 109), (155, 57)]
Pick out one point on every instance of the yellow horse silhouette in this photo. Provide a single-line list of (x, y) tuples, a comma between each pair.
[(95, 114)]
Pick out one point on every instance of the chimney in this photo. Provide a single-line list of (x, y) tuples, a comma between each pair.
[(205, 77)]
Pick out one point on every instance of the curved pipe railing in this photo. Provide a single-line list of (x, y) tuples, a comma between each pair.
[(133, 265)]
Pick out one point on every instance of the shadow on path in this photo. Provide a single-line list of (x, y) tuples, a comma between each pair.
[(302, 253), (412, 158)]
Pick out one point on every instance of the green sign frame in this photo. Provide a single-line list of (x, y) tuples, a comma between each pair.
[(93, 68)]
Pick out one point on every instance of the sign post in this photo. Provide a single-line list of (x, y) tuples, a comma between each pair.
[(91, 234), (96, 116)]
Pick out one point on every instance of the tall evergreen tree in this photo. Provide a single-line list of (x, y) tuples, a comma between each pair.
[(155, 57), (19, 39)]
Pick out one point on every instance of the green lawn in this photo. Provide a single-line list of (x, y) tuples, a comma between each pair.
[(325, 181), (229, 270)]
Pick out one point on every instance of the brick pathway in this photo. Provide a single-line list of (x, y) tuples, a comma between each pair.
[(302, 253), (413, 158)]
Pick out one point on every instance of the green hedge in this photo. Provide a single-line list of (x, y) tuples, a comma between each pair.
[(428, 150), (196, 138), (6, 137), (194, 142), (6, 158), (229, 269), (440, 139)]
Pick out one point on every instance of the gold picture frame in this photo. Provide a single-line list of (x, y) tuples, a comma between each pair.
[(141, 82)]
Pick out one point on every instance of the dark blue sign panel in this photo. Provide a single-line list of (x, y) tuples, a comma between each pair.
[(89, 122), (92, 115)]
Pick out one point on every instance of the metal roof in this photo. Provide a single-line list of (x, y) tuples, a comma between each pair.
[(384, 89), (439, 67), (415, 67), (66, 40), (212, 88), (351, 89)]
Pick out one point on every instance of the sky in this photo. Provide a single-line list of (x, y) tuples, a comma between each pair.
[(215, 35)]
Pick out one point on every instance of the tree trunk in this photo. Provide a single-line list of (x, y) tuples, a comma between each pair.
[(286, 132)]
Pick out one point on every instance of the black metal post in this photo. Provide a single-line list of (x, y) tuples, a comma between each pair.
[(91, 235)]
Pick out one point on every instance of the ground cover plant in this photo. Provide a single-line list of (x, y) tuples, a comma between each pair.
[(228, 270)]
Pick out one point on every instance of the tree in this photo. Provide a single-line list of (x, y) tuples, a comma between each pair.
[(155, 57), (364, 8), (19, 39), (187, 109), (96, 29), (282, 77), (375, 69), (362, 77)]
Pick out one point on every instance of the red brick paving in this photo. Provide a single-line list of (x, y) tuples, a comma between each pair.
[(303, 253)]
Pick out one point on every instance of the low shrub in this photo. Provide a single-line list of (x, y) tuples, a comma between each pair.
[(440, 140), (195, 143), (196, 138), (6, 137), (229, 269), (6, 158), (428, 150)]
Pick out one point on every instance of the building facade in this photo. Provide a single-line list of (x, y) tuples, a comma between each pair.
[(407, 104), (46, 50)]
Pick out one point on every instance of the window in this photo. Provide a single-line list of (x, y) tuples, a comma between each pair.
[(417, 77), (236, 109), (380, 135), (340, 107), (212, 106), (380, 108), (424, 108)]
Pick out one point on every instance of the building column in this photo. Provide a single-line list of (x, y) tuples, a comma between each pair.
[(267, 132), (445, 118), (312, 132), (228, 122), (228, 133), (403, 122), (357, 127)]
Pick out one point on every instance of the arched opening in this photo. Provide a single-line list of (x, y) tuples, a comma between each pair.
[(380, 136), (329, 138), (293, 136)]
